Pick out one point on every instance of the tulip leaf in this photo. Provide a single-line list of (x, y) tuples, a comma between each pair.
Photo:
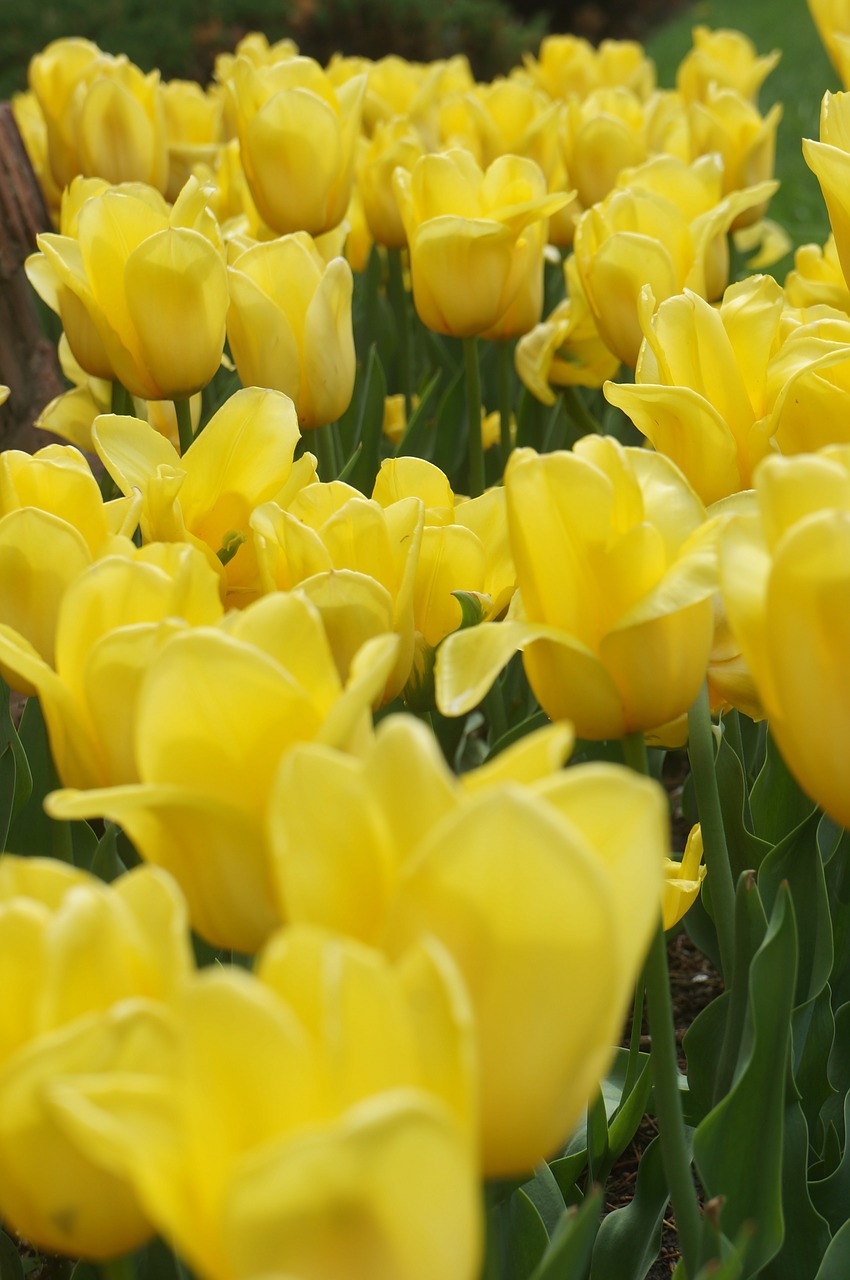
[(630, 1112), (836, 1261), (448, 446), (837, 872), (813, 1034), (746, 850), (15, 778), (832, 1195), (106, 861), (364, 463), (796, 860), (702, 1044), (412, 442), (738, 1147), (806, 1232), (545, 1193), (597, 1137), (11, 1267), (777, 803), (629, 1238), (516, 1238), (570, 1247)]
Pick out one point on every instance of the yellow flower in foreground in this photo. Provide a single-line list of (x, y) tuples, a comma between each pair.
[(785, 575), (473, 238), (83, 969), (217, 709), (682, 880), (289, 325), (616, 573), (297, 1132), (141, 288), (522, 871), (832, 19), (829, 161)]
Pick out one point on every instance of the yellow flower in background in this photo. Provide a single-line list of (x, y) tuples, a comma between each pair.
[(493, 120), (32, 127), (86, 969), (141, 288), (194, 129), (539, 870), (109, 621), (565, 349), (355, 561), (297, 135), (817, 278), (474, 247), (616, 572), (242, 458), (832, 19), (289, 325), (786, 590), (829, 161), (722, 59), (104, 116), (603, 134), (283, 1140), (664, 225), (727, 123), (214, 709), (682, 880), (569, 66), (395, 142)]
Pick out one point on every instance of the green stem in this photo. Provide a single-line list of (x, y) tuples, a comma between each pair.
[(505, 360), (579, 412), (634, 1037), (668, 1103), (732, 720), (184, 424), (719, 886), (398, 302), (665, 1069), (122, 401), (325, 444), (475, 443), (494, 708)]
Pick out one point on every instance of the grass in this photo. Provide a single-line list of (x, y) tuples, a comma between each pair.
[(799, 83)]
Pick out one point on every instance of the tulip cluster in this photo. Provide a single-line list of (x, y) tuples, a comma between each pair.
[(282, 686)]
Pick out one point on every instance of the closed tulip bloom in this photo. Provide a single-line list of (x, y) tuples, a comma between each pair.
[(727, 123), (683, 880), (514, 862), (86, 970), (472, 237), (289, 325), (832, 19), (829, 160), (141, 289), (723, 59), (569, 66), (297, 135), (616, 578), (664, 225), (394, 143), (786, 588), (283, 1142)]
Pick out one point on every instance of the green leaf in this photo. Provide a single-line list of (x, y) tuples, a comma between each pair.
[(516, 1237), (777, 803), (796, 860), (702, 1044), (362, 467), (106, 861), (746, 850), (545, 1194), (16, 765), (412, 443), (738, 1146), (831, 1196), (629, 1238), (11, 1267), (568, 1253), (630, 1112), (836, 1260), (813, 1035), (471, 609), (806, 1231), (597, 1137)]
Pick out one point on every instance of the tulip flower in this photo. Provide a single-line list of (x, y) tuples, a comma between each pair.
[(722, 60), (297, 135), (141, 289), (569, 66), (472, 239), (284, 1141), (663, 225), (85, 970), (393, 143), (243, 458), (616, 577), (725, 122), (829, 160), (682, 880), (104, 116), (209, 723), (817, 278), (521, 871), (289, 325), (832, 19), (784, 577)]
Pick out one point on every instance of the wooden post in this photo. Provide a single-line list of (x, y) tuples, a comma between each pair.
[(28, 362)]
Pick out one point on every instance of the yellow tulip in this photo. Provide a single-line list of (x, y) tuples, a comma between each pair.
[(297, 136), (32, 127), (141, 289), (212, 714), (194, 129), (242, 458), (722, 59), (569, 66), (727, 123), (356, 562), (521, 871), (683, 880), (829, 160), (616, 577), (393, 143), (786, 588), (664, 225), (817, 278), (84, 967), (832, 19), (283, 1141), (289, 325), (104, 117), (473, 240)]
